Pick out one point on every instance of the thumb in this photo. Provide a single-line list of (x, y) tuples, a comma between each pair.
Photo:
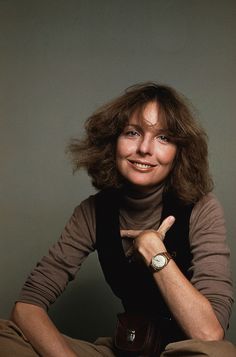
[(165, 226)]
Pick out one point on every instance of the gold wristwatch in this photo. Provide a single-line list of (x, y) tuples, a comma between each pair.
[(159, 261)]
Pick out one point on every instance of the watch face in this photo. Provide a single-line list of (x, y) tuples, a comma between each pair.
[(159, 261)]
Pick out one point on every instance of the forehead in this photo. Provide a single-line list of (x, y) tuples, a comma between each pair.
[(148, 115)]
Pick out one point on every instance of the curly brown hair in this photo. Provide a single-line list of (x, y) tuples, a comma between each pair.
[(96, 152)]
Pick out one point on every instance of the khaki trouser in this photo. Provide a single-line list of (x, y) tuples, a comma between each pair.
[(13, 344)]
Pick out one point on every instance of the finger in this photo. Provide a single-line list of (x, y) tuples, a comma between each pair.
[(165, 226), (130, 233)]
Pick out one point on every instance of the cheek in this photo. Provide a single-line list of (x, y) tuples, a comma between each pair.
[(118, 148), (167, 156), (120, 154), (124, 148)]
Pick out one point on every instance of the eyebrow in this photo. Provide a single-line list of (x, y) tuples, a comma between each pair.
[(139, 127)]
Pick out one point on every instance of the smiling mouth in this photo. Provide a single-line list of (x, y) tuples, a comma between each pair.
[(141, 165)]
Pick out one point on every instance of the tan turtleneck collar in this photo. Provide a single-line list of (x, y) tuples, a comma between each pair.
[(141, 209)]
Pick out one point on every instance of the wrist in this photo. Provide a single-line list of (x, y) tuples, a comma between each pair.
[(149, 251), (160, 261)]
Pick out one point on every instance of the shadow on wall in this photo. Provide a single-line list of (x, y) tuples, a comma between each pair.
[(88, 308)]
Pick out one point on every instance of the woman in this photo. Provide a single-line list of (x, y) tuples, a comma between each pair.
[(158, 230)]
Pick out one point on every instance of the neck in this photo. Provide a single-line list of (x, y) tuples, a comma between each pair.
[(139, 192), (139, 209)]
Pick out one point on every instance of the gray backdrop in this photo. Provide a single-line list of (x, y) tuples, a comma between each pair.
[(61, 59)]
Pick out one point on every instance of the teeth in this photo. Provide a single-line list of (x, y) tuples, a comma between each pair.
[(142, 166)]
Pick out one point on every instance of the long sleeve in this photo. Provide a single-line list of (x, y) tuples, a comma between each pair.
[(52, 274), (210, 265)]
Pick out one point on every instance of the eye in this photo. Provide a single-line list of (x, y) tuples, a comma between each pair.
[(163, 138), (131, 133)]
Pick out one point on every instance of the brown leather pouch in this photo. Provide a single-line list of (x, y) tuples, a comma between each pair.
[(138, 334)]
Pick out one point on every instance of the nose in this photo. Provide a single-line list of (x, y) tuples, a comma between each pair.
[(145, 146)]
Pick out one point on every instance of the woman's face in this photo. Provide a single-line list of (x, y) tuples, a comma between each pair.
[(144, 155)]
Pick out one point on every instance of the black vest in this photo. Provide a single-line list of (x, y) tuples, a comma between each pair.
[(132, 281)]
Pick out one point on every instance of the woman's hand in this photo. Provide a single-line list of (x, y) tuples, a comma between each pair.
[(148, 243), (190, 308)]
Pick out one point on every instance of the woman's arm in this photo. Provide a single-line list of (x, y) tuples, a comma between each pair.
[(191, 309), (40, 331), (210, 267), (48, 280)]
